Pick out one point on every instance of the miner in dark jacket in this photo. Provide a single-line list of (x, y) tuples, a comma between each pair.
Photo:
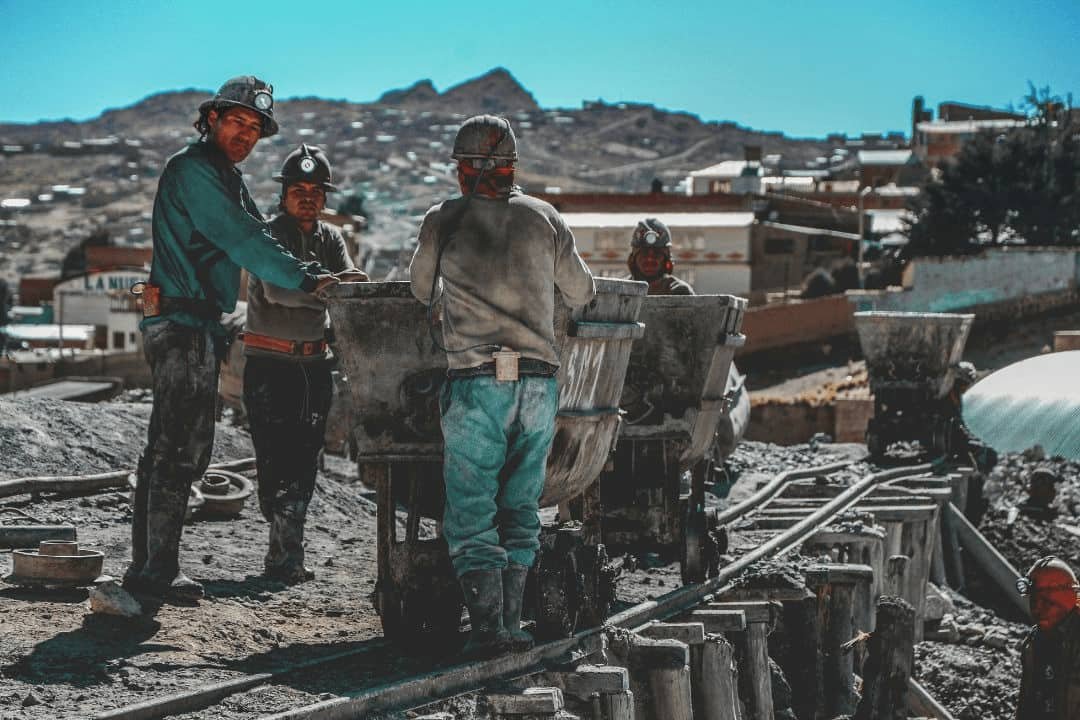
[(650, 259), (287, 383), (205, 228), (1050, 655)]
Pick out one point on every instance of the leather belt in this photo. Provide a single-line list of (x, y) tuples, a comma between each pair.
[(155, 304), (526, 367), (281, 345)]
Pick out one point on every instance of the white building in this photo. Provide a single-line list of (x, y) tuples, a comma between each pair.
[(711, 250), (104, 300)]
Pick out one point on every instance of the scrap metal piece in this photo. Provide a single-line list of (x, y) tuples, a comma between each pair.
[(224, 493), (1031, 402), (55, 564)]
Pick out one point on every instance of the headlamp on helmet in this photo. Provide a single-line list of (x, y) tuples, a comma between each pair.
[(263, 99), (1048, 564), (307, 165)]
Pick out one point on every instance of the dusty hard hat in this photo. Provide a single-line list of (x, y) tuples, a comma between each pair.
[(1054, 569), (249, 92), (651, 233), (485, 137), (306, 163)]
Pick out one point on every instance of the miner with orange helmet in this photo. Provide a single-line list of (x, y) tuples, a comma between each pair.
[(1050, 655)]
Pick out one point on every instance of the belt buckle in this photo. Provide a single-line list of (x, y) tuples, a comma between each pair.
[(308, 348)]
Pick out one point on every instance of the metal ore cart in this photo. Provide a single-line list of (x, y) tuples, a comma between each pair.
[(395, 374), (911, 360), (674, 401)]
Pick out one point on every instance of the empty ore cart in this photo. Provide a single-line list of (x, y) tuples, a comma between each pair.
[(395, 372), (673, 402), (911, 360)]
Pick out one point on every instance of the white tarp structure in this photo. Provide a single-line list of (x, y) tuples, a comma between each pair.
[(1031, 402)]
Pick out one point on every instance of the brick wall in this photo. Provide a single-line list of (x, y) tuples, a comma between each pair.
[(795, 323)]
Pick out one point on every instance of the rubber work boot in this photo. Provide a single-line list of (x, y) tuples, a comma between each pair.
[(285, 555), (513, 579), (484, 597), (180, 588)]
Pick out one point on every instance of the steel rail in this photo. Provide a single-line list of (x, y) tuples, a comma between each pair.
[(459, 679), (775, 486)]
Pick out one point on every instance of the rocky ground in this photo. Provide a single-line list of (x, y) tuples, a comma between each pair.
[(59, 660)]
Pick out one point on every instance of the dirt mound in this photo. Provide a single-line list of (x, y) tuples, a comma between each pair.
[(55, 437)]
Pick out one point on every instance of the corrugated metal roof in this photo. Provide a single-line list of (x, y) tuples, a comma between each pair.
[(884, 157), (725, 169), (804, 230), (956, 127), (672, 220)]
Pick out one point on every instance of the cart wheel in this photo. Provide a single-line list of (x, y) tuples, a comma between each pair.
[(558, 592), (599, 579), (875, 444), (697, 547)]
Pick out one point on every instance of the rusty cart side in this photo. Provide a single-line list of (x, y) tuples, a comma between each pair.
[(911, 359), (674, 400), (395, 374)]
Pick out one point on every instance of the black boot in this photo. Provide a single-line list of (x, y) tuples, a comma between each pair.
[(513, 580), (285, 556), (484, 597)]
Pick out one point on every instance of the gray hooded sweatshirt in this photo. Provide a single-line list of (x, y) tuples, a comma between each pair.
[(498, 276)]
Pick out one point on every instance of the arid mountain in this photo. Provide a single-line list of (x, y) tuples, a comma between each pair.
[(393, 152), (496, 91)]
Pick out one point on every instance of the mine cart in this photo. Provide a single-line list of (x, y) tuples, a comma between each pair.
[(673, 402), (911, 359), (395, 373)]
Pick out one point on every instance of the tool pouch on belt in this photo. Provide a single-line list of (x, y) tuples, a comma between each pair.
[(506, 365)]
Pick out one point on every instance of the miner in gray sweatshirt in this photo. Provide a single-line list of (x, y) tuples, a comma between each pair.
[(287, 384), (492, 261)]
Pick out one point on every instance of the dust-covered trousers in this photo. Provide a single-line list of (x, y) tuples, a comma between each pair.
[(287, 404), (497, 439), (184, 368)]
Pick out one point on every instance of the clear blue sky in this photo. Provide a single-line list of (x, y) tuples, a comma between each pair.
[(798, 66)]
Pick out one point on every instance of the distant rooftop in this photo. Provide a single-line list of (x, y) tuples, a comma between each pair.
[(956, 127), (884, 157), (672, 220), (726, 169)]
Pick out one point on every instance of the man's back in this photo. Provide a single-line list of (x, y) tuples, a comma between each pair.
[(497, 274)]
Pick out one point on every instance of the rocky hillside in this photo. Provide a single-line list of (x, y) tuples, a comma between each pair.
[(393, 152)]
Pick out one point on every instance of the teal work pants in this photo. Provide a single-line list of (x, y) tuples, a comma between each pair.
[(497, 435)]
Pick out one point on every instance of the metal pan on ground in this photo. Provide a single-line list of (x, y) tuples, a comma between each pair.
[(224, 493), (911, 360), (55, 564), (395, 375), (674, 400)]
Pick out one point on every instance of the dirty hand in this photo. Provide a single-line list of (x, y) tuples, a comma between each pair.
[(352, 276), (322, 284)]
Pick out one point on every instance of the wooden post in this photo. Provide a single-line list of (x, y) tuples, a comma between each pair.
[(754, 675), (660, 679), (839, 664), (719, 689), (536, 702), (692, 634), (895, 570), (954, 563), (888, 667), (605, 687)]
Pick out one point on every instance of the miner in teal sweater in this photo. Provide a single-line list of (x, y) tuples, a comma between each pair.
[(205, 228)]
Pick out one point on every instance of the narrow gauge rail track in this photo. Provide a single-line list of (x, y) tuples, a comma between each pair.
[(447, 682)]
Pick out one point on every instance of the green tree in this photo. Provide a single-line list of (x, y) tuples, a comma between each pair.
[(1022, 185)]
